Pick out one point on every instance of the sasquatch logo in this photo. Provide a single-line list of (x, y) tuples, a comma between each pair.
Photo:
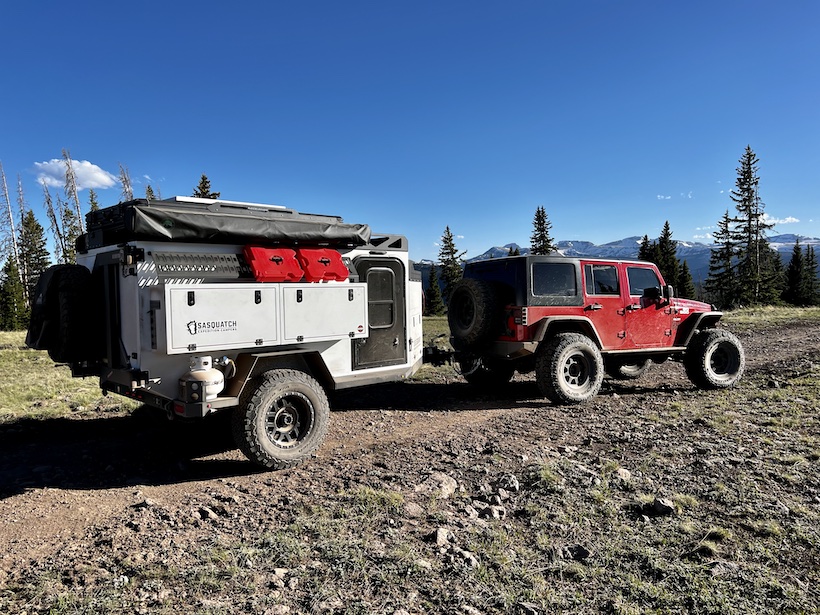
[(211, 326)]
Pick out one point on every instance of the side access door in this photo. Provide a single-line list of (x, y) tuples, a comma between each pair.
[(386, 343)]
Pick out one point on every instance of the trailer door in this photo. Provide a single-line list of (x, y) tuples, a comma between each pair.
[(386, 343)]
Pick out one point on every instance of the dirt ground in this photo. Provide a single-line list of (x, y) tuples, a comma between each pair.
[(75, 494)]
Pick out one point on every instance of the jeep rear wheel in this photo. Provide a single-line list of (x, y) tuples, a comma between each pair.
[(485, 373), (473, 312), (714, 359), (569, 369), (284, 420)]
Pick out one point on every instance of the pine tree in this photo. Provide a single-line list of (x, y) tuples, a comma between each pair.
[(71, 231), (754, 265), (686, 285), (795, 277), (810, 288), (203, 189), (125, 181), (14, 314), (644, 250), (541, 241), (515, 251), (450, 261), (149, 193), (434, 305), (71, 190), (668, 256), (93, 204), (721, 284), (34, 256)]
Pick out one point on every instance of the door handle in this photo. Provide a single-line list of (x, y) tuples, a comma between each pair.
[(594, 306), (633, 307)]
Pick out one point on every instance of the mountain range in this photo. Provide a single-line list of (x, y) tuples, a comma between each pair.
[(695, 254)]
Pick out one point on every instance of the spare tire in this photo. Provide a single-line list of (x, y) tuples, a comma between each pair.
[(474, 313)]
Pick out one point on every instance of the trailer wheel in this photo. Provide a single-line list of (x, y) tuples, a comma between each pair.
[(473, 312), (714, 359), (569, 369), (283, 420), (485, 373)]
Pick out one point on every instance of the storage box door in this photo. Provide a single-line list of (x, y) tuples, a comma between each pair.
[(387, 342), (320, 312), (205, 317)]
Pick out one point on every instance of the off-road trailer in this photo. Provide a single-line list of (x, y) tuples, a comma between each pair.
[(199, 305)]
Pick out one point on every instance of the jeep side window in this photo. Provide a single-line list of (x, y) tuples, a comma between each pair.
[(554, 280), (601, 280), (641, 278), (380, 299)]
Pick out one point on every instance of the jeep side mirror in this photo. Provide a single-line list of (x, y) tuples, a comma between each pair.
[(652, 294), (668, 292)]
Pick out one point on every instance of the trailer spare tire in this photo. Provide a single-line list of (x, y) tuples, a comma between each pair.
[(474, 312)]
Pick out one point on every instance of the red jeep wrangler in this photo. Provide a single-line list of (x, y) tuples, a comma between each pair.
[(571, 320)]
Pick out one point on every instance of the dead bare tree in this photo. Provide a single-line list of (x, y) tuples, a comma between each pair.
[(71, 188), (12, 231), (59, 239), (125, 181)]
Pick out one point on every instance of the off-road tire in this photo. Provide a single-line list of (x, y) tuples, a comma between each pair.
[(282, 420), (569, 369), (474, 312), (620, 370), (485, 373), (69, 306), (714, 359)]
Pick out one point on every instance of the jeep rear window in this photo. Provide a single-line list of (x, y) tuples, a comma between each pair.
[(641, 278), (554, 280), (601, 280)]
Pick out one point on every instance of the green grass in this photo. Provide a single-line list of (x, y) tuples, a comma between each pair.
[(34, 387)]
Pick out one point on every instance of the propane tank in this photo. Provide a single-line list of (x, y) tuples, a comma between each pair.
[(204, 382)]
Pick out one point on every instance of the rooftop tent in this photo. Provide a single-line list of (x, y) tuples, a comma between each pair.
[(216, 221)]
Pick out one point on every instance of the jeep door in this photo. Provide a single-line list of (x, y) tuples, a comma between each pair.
[(604, 304), (648, 321)]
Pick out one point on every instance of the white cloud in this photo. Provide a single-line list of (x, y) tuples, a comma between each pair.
[(787, 220), (706, 236), (87, 174), (686, 195), (662, 197), (459, 236)]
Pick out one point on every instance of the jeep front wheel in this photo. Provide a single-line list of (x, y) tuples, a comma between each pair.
[(569, 369), (283, 421), (714, 359)]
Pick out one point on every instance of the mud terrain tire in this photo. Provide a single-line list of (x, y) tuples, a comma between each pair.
[(485, 373), (714, 359), (474, 312), (620, 370), (569, 369), (283, 420)]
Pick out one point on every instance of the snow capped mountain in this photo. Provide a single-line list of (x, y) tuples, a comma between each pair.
[(695, 254)]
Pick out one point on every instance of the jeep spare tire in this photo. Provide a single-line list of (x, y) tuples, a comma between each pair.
[(473, 313)]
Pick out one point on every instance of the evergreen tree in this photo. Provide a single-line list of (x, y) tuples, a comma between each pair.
[(810, 289), (795, 277), (125, 181), (434, 305), (71, 231), (149, 193), (34, 256), (14, 314), (644, 251), (515, 251), (686, 285), (541, 241), (93, 204), (203, 189), (721, 284), (668, 256), (450, 261), (755, 267)]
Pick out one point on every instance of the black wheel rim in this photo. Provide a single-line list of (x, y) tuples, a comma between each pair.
[(289, 420), (576, 371)]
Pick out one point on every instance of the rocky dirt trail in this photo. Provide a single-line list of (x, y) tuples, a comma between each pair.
[(77, 495)]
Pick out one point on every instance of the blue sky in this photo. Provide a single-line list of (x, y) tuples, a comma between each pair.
[(411, 116)]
